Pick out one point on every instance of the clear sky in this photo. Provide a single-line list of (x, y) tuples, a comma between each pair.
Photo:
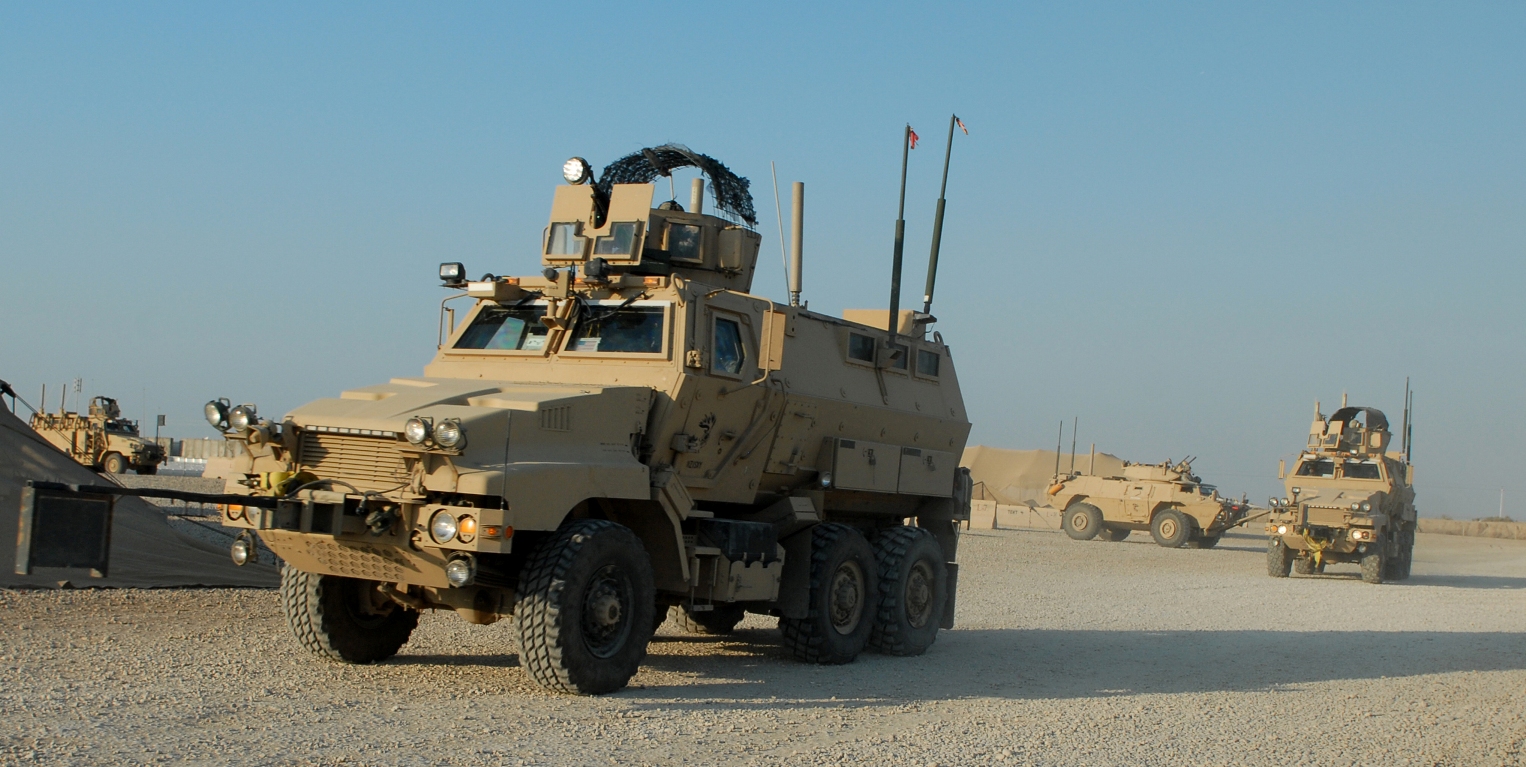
[(1182, 223)]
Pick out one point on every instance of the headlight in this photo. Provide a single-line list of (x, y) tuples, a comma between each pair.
[(241, 417), (416, 430), (460, 571), (443, 526), (449, 433), (577, 171), (217, 414), (1272, 502), (243, 549), (826, 479), (1296, 490), (1284, 502), (1366, 506), (1356, 507), (1282, 529), (452, 273)]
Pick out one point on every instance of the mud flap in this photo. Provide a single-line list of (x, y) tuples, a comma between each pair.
[(953, 591), (795, 584)]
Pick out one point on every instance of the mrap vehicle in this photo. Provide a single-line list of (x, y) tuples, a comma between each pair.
[(629, 431), (101, 438), (1348, 499)]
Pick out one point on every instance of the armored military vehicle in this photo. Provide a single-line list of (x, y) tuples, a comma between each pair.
[(631, 430), (101, 438), (1165, 498), (1348, 500)]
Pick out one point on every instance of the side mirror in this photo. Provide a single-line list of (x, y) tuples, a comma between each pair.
[(771, 342), (1409, 474), (1282, 469)]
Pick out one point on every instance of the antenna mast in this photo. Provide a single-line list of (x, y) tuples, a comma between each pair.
[(1058, 441), (932, 258), (892, 325), (1073, 425)]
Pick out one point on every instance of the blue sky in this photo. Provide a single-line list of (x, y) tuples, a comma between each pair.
[(1181, 222)]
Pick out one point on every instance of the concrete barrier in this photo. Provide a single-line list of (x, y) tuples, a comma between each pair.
[(1510, 530), (990, 515)]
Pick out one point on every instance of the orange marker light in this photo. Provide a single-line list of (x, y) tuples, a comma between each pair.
[(468, 526)]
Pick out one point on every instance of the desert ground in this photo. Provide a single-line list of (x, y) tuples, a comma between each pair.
[(1065, 653)]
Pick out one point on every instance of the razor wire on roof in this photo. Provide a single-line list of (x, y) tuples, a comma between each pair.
[(729, 190)]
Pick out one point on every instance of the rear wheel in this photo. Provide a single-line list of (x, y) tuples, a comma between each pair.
[(1082, 522), (1305, 566), (113, 463), (1115, 534), (913, 591), (344, 619), (723, 619), (148, 470), (844, 588), (1406, 553), (1373, 561), (1171, 529), (587, 608), (1279, 558)]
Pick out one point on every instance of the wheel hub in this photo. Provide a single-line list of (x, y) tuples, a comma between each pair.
[(847, 603), (1168, 528), (919, 595), (1080, 521), (606, 609)]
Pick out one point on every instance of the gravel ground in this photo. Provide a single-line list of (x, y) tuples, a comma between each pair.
[(1067, 653)]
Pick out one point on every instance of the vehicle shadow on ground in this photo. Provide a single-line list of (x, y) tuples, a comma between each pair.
[(752, 667), (1465, 581)]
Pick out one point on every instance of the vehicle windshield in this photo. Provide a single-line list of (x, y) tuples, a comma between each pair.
[(1317, 467), (1361, 470), (618, 328), (506, 328)]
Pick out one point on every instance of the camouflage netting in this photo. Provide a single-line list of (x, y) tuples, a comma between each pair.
[(730, 191)]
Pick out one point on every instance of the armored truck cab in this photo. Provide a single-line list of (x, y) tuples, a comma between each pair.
[(1348, 500), (628, 431), (101, 438), (1165, 498)]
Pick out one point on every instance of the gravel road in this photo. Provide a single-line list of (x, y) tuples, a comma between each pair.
[(1066, 654)]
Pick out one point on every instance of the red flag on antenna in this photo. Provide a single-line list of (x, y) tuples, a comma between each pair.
[(961, 125), (912, 136)]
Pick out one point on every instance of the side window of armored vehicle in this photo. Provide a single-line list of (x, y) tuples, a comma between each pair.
[(630, 329), (683, 242), (621, 240), (861, 348), (506, 328), (1318, 467), (1361, 470), (563, 240), (927, 363), (729, 352)]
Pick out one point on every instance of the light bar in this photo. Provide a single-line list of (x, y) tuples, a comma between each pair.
[(353, 432)]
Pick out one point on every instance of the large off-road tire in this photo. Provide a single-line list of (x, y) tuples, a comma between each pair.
[(844, 590), (148, 470), (1115, 534), (1406, 554), (913, 591), (113, 463), (586, 608), (1373, 561), (1279, 558), (1082, 521), (721, 620), (1171, 529), (344, 619), (1205, 541), (1305, 566)]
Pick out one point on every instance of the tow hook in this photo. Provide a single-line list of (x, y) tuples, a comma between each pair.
[(380, 521)]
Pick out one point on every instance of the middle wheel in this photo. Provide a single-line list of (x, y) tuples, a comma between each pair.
[(1171, 529), (843, 592), (721, 620), (913, 591)]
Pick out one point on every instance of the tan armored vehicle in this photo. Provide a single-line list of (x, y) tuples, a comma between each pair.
[(1165, 498), (101, 439), (1348, 500), (629, 431)]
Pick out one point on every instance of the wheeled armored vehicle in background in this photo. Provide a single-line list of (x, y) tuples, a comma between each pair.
[(1348, 500), (1165, 498), (101, 438), (629, 431)]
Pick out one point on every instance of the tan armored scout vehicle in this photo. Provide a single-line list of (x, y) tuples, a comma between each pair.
[(1348, 500), (629, 431), (101, 439), (1165, 498)]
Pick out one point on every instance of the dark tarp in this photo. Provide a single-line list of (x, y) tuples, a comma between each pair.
[(145, 550)]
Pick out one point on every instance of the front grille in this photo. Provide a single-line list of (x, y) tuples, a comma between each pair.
[(369, 463)]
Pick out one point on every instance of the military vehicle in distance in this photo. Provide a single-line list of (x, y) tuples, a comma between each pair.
[(1348, 500), (1165, 498), (101, 438), (630, 431)]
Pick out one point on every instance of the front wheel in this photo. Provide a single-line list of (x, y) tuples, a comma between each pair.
[(113, 463), (913, 591), (1279, 559), (344, 619), (1171, 529), (1082, 522), (843, 593), (587, 608), (1373, 561)]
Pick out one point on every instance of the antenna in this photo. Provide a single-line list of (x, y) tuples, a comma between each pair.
[(892, 324), (797, 241), (932, 258), (1073, 444), (1409, 425), (779, 214), (1057, 442)]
